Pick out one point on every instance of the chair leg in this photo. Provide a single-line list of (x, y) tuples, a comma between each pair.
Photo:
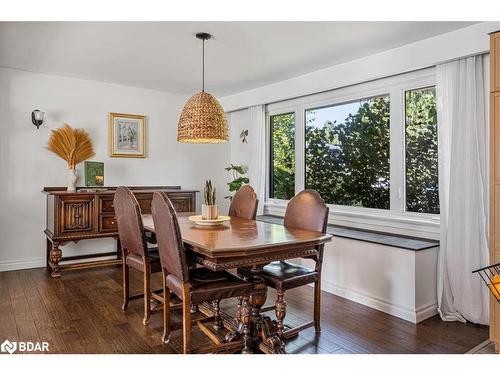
[(166, 310), (217, 319), (126, 283), (186, 319), (147, 295), (238, 309), (245, 316), (280, 307), (317, 305)]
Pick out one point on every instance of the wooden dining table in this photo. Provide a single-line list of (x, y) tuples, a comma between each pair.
[(252, 244)]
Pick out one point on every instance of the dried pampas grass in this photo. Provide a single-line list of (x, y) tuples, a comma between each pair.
[(71, 145)]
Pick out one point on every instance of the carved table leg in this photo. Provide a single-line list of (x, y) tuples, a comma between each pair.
[(262, 329), (55, 257)]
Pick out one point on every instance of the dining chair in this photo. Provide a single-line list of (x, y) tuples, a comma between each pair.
[(135, 251), (307, 210), (244, 203), (191, 285)]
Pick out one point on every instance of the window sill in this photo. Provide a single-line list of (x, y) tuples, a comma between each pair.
[(393, 240), (385, 222)]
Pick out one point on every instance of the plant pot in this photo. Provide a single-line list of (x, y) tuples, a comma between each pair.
[(71, 180), (209, 212)]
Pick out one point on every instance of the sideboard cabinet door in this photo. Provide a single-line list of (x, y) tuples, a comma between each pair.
[(76, 214)]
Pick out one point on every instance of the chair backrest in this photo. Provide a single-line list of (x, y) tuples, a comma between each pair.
[(168, 235), (244, 203), (128, 218), (307, 210)]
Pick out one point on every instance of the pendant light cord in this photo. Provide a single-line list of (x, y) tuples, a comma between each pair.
[(203, 67)]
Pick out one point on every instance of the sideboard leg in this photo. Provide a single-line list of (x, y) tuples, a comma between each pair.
[(55, 257)]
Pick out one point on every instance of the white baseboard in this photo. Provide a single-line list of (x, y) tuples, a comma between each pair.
[(402, 312), (22, 264)]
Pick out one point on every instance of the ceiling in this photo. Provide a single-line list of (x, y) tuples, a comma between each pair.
[(167, 56)]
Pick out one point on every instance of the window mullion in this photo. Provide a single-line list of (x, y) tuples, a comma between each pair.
[(300, 146), (397, 151)]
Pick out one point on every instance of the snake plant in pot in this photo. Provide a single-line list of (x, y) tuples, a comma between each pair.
[(209, 208)]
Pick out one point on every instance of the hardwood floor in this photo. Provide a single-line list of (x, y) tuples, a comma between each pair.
[(81, 313)]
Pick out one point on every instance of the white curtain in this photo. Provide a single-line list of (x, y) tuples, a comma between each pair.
[(463, 189), (257, 148)]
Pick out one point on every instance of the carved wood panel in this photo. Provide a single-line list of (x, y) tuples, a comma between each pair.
[(76, 215)]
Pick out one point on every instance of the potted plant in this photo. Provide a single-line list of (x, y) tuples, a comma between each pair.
[(209, 210), (239, 178), (73, 146)]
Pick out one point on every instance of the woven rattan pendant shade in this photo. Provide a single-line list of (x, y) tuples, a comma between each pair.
[(202, 120)]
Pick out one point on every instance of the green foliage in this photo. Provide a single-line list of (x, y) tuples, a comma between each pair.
[(209, 194), (238, 179), (348, 163), (422, 193), (283, 156)]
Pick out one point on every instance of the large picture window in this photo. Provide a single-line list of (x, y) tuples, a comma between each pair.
[(347, 152), (369, 149)]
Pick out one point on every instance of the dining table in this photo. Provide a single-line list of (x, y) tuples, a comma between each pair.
[(252, 244)]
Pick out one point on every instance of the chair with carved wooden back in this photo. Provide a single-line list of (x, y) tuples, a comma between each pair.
[(192, 285), (134, 248), (307, 210), (244, 203)]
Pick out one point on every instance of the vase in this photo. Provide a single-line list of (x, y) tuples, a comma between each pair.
[(209, 212), (71, 180)]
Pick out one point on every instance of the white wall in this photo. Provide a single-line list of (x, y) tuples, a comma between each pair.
[(26, 167), (421, 54)]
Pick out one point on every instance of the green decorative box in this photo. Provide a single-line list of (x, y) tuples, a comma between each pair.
[(94, 173)]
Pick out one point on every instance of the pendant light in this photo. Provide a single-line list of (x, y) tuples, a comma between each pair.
[(202, 119)]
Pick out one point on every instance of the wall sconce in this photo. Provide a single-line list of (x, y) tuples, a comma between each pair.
[(37, 118)]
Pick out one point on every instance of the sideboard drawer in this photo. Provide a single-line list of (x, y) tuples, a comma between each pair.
[(106, 205), (107, 224), (76, 214), (182, 204)]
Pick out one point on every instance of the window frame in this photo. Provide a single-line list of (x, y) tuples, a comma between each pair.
[(396, 219)]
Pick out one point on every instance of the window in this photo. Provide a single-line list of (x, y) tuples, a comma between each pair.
[(347, 152), (282, 153), (369, 149), (422, 194)]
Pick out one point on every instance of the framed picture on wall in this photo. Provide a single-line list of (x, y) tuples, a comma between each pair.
[(127, 135)]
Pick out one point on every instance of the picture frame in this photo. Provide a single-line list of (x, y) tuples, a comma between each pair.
[(127, 135)]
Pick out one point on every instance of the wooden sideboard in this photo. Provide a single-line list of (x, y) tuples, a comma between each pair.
[(87, 214)]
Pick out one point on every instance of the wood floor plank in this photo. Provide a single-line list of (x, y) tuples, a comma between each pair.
[(81, 313), (8, 328), (26, 328)]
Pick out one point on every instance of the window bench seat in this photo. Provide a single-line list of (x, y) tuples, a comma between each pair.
[(388, 272), (388, 239)]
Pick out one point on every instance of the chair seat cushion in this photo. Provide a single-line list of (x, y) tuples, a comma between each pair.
[(135, 261), (284, 275), (207, 285)]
